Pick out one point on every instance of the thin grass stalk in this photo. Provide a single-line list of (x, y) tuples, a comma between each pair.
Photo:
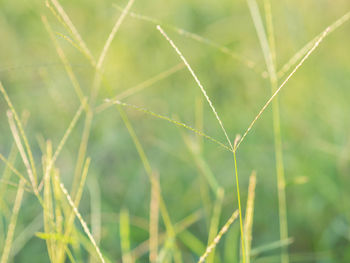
[(59, 217), (239, 200), (21, 150), (69, 221), (24, 137), (217, 239), (281, 181), (7, 170), (271, 246), (154, 222), (249, 215), (50, 242), (95, 204), (80, 218), (192, 242), (267, 43), (214, 224), (13, 222), (16, 136), (124, 229)]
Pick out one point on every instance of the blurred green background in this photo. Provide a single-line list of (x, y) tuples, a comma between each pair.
[(314, 108)]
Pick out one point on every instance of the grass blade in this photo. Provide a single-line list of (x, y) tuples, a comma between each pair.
[(80, 218), (268, 48), (21, 150), (214, 224), (216, 240), (249, 215), (33, 173), (154, 222), (124, 229), (13, 222)]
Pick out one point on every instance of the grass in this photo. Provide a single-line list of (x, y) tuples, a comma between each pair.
[(168, 191)]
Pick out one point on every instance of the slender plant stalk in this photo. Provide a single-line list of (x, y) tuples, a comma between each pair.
[(21, 150), (271, 246), (71, 215), (192, 242), (219, 236), (9, 168), (124, 230), (239, 200), (13, 222), (16, 135), (95, 204), (31, 165), (281, 181), (50, 242), (249, 215), (268, 47), (214, 224), (80, 218), (153, 222)]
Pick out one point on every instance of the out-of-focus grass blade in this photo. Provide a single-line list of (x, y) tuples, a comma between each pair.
[(12, 225), (124, 229), (248, 222), (274, 245), (192, 242)]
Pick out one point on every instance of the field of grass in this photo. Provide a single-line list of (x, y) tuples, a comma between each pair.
[(175, 131)]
